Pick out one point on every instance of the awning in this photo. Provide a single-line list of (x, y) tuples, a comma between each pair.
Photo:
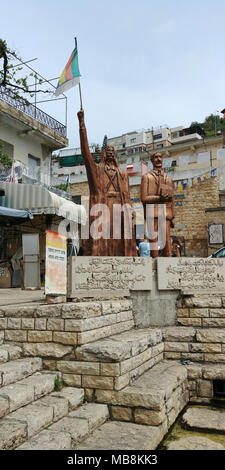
[(10, 216), (39, 200)]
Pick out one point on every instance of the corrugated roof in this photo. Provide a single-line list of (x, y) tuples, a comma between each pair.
[(40, 200)]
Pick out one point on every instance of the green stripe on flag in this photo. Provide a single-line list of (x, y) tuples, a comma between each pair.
[(74, 66)]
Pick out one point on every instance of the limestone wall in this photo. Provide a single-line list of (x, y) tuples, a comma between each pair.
[(198, 341)]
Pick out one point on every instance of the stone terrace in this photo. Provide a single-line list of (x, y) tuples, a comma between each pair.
[(135, 377)]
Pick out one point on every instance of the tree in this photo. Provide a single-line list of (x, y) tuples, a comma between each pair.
[(12, 78), (211, 125), (104, 144), (5, 160), (197, 128)]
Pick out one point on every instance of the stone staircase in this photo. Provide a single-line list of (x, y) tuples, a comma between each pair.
[(97, 352), (141, 413), (135, 381), (33, 415), (115, 361)]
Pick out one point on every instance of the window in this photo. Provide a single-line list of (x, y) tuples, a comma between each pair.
[(175, 135), (33, 167), (159, 146), (124, 146), (130, 151), (157, 136), (174, 163), (76, 199), (133, 140)]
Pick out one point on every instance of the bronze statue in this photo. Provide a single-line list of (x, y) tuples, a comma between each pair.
[(157, 190), (109, 191)]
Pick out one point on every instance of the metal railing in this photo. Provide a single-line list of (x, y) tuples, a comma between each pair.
[(32, 111)]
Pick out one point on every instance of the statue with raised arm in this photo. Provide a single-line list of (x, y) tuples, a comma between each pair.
[(157, 194), (111, 230)]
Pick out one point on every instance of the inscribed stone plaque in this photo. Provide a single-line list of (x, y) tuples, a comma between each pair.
[(215, 234), (106, 272), (191, 274)]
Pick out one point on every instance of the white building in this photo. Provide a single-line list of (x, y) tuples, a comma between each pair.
[(29, 136)]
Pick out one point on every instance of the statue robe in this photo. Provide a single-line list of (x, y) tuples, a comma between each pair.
[(109, 186)]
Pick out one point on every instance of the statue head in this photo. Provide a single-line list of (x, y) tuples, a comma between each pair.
[(108, 155), (156, 159)]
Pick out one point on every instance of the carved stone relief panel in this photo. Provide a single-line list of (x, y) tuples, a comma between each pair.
[(191, 274), (105, 272)]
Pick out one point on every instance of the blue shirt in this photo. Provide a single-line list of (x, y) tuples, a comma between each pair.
[(144, 248)]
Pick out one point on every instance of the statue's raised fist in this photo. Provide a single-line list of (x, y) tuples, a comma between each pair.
[(80, 115)]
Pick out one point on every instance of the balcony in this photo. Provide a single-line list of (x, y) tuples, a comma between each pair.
[(186, 138), (33, 112)]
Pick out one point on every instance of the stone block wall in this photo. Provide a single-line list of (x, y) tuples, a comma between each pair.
[(198, 341), (200, 381), (203, 310), (75, 339)]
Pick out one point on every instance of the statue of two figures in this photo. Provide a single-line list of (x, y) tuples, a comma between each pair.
[(110, 200)]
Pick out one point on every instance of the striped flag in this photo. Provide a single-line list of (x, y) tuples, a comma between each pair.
[(70, 76)]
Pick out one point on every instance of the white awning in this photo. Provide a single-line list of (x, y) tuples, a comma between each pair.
[(40, 200)]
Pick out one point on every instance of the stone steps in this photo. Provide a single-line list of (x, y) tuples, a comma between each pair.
[(156, 398), (12, 371), (115, 435), (9, 352), (68, 431), (114, 362), (204, 419), (194, 443), (29, 420), (26, 391)]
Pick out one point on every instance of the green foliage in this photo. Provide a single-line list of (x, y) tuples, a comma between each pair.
[(62, 186), (104, 144), (58, 384), (13, 79), (211, 125), (5, 160)]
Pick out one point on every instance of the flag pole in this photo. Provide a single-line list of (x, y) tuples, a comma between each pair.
[(81, 105)]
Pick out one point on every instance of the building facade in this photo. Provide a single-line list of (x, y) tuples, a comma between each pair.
[(29, 136)]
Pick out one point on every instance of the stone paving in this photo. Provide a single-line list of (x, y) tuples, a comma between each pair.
[(117, 435), (204, 419), (195, 443)]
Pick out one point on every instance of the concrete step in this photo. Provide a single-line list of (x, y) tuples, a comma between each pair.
[(194, 443), (85, 321), (28, 421), (13, 371), (113, 363), (155, 398), (9, 352), (69, 430), (23, 392), (115, 435), (204, 419)]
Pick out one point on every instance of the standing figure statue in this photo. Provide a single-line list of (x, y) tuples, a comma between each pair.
[(110, 198), (157, 192)]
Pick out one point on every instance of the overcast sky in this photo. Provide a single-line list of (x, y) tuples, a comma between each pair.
[(143, 63)]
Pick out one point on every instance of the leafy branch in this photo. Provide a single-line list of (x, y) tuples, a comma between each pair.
[(10, 80), (5, 160)]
